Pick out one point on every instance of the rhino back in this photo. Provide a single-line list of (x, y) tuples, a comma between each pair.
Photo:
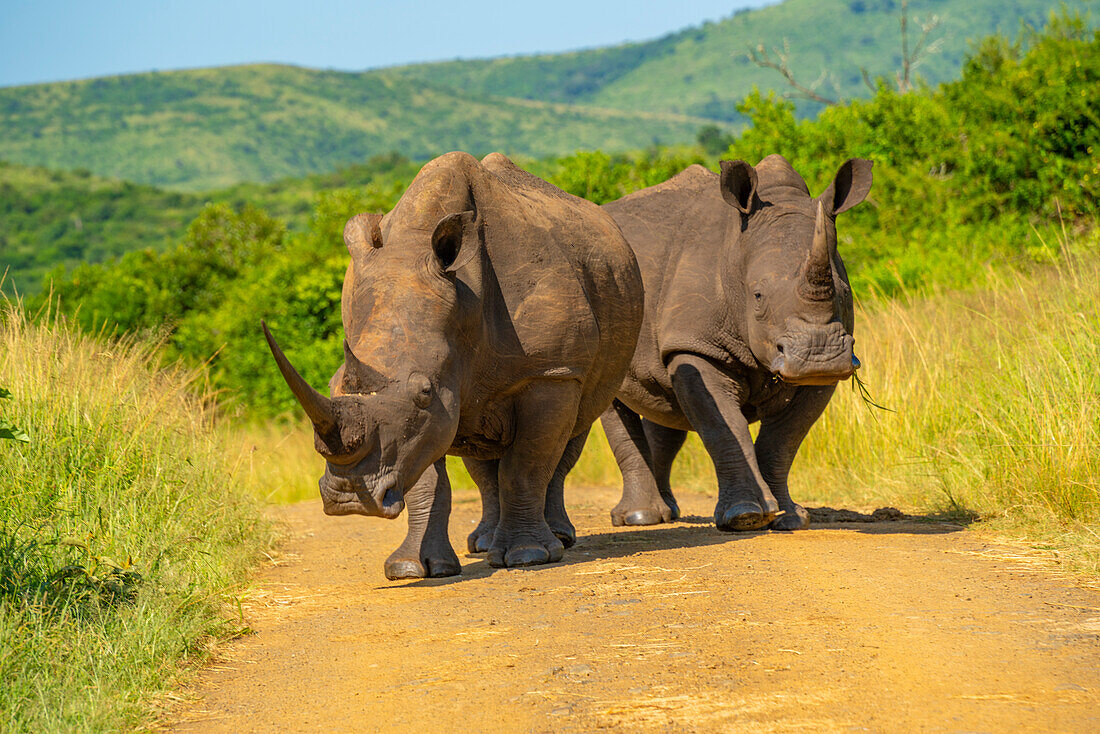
[(570, 282)]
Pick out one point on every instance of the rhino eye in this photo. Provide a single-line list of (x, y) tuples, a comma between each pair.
[(421, 388)]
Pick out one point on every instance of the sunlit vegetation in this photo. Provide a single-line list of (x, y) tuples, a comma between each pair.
[(977, 171), (125, 527)]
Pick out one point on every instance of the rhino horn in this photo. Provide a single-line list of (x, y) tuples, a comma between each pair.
[(817, 272), (319, 408)]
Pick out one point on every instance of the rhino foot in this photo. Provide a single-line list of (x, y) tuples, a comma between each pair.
[(796, 519), (525, 551), (673, 507), (653, 513), (743, 516), (563, 530), (481, 539), (415, 568)]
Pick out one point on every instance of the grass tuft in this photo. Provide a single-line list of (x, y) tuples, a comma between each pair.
[(123, 528)]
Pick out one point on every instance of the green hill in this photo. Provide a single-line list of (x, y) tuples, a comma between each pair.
[(704, 71), (50, 217), (208, 128)]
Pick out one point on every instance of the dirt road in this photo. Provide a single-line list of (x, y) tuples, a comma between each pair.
[(889, 627)]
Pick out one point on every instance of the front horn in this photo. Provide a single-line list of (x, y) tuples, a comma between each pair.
[(817, 273), (319, 408)]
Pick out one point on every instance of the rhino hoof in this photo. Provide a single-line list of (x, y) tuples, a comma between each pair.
[(405, 569), (567, 536), (742, 517), (648, 516), (439, 567), (408, 568), (797, 519), (524, 555), (479, 542)]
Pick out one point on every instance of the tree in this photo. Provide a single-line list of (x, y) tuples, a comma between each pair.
[(912, 56)]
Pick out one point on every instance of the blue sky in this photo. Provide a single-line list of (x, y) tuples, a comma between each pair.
[(50, 40)]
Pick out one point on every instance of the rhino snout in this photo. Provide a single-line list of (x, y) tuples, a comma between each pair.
[(361, 495), (811, 355)]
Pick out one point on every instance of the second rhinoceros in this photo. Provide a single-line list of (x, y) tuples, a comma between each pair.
[(748, 316), (492, 316)]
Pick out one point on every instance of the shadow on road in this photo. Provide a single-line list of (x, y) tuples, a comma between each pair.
[(688, 531)]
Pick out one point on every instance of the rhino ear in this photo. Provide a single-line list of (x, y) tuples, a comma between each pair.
[(738, 183), (455, 241), (851, 186), (363, 232)]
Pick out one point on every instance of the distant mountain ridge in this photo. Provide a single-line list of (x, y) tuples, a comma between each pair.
[(704, 71), (209, 128)]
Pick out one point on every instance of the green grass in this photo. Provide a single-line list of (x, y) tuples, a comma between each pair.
[(125, 530)]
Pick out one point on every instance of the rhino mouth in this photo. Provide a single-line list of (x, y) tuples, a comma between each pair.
[(799, 371), (377, 495), (815, 356)]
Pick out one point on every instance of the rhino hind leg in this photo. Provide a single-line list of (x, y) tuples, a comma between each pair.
[(664, 445), (545, 415), (641, 502), (485, 476), (426, 550), (556, 516)]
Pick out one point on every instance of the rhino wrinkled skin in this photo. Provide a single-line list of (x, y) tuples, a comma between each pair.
[(491, 316), (748, 317)]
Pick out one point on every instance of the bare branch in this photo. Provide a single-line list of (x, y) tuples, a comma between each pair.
[(760, 57), (922, 49), (867, 79)]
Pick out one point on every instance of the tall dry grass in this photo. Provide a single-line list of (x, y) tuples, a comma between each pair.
[(994, 407)]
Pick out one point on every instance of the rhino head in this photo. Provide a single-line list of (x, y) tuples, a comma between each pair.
[(796, 299), (394, 408)]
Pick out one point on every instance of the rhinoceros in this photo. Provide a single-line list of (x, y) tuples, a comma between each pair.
[(490, 316), (748, 317)]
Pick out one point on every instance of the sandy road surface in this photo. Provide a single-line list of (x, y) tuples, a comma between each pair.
[(885, 627)]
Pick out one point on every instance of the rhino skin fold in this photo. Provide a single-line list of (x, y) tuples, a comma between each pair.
[(748, 317), (490, 316)]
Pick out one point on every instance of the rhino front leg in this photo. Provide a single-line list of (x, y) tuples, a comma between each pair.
[(664, 445), (556, 516), (545, 415), (426, 550), (711, 400), (641, 502), (485, 476), (777, 444)]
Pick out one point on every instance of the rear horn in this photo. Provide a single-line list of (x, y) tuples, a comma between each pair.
[(319, 408)]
